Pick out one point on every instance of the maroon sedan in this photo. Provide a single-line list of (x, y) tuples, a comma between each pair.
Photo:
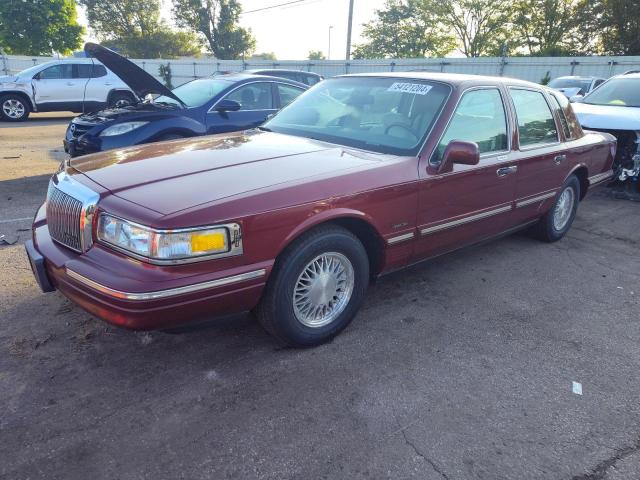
[(360, 176)]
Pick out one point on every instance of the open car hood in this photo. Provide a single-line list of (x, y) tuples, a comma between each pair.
[(136, 78)]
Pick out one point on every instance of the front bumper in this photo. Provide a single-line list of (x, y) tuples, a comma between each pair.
[(135, 295), (80, 146)]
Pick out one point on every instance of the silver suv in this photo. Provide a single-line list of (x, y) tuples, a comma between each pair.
[(76, 85)]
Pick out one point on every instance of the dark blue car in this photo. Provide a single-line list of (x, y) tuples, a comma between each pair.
[(220, 104)]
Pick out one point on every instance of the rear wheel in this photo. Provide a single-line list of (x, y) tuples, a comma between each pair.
[(557, 221), (14, 108), (316, 288)]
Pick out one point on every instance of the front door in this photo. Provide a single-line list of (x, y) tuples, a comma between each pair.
[(257, 102), (56, 88), (469, 203)]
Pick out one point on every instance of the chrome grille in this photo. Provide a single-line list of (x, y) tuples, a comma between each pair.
[(63, 218)]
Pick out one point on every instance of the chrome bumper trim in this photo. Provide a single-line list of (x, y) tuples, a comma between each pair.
[(171, 292), (539, 198), (462, 221), (400, 238), (600, 177)]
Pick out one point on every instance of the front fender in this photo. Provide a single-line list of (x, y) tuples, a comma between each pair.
[(29, 95)]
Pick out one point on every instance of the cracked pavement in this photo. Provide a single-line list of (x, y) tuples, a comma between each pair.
[(460, 368)]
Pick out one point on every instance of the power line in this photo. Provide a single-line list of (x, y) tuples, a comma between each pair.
[(274, 6)]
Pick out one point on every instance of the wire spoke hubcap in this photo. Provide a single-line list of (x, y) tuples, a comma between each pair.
[(13, 108), (323, 289), (563, 209)]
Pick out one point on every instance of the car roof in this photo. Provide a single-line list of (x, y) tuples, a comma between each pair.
[(575, 77), (242, 76), (450, 78), (629, 75), (283, 70)]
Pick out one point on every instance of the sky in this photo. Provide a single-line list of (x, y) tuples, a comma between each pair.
[(291, 31)]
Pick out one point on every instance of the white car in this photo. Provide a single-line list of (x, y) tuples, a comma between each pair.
[(574, 85), (76, 85), (615, 108)]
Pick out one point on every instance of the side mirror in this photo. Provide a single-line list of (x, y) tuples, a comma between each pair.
[(460, 152), (228, 106)]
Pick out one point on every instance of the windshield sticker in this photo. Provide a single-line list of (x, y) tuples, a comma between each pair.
[(417, 88)]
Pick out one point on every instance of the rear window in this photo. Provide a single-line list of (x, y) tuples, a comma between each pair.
[(563, 119), (536, 125)]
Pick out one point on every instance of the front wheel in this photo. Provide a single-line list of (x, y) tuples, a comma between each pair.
[(557, 221), (14, 108), (317, 286)]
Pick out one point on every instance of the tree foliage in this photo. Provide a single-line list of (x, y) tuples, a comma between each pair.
[(264, 56), (620, 25), (134, 28), (39, 27), (316, 55), (405, 29), (217, 21)]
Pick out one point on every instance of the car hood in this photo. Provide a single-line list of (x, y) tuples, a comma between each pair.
[(168, 177), (139, 81), (124, 113), (570, 91), (607, 117)]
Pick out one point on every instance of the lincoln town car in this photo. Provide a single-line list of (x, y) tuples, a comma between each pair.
[(360, 176)]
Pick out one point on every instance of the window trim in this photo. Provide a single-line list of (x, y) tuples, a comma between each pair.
[(561, 116), (484, 155), (212, 109), (533, 146)]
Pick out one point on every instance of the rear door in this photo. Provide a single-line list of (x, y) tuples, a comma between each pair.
[(98, 86), (56, 88), (471, 202), (543, 160), (257, 100)]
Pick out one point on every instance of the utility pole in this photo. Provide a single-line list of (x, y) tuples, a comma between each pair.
[(348, 54), (329, 49)]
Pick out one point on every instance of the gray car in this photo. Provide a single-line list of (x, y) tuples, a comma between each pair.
[(76, 85), (574, 85)]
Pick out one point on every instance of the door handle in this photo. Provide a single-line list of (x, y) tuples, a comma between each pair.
[(107, 83), (504, 171), (70, 84), (559, 159)]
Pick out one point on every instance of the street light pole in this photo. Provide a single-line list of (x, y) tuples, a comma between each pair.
[(329, 49), (348, 54)]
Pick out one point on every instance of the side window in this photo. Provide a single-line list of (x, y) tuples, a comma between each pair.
[(60, 71), (479, 118), (563, 120), (254, 96), (288, 94), (99, 71), (312, 80), (597, 83), (83, 70), (535, 121)]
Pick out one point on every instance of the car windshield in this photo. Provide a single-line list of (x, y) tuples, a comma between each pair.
[(197, 92), (624, 92), (571, 83), (385, 115)]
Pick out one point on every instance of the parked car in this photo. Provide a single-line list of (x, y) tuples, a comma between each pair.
[(308, 78), (220, 104), (74, 85), (615, 108), (293, 219), (574, 85)]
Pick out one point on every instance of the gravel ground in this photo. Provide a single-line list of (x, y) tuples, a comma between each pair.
[(461, 368)]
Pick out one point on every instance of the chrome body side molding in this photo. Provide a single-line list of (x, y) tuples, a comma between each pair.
[(536, 199), (462, 221)]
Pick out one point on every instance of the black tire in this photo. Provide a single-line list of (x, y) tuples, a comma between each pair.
[(276, 311), (14, 108), (546, 228), (120, 99)]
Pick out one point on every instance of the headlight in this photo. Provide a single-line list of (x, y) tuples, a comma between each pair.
[(121, 128), (169, 246)]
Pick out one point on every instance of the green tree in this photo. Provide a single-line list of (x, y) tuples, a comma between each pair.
[(553, 27), (39, 27), (481, 26), (134, 28), (619, 22), (405, 29), (217, 21), (316, 55)]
